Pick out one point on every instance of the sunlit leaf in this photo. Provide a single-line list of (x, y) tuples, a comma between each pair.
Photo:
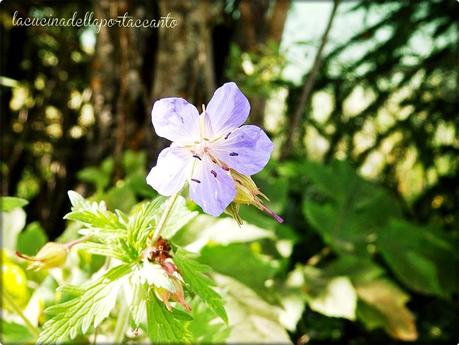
[(163, 325), (194, 274), (8, 203), (80, 313), (384, 306)]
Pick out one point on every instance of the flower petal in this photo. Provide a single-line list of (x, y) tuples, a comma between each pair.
[(175, 119), (246, 149), (211, 187), (171, 170), (228, 109)]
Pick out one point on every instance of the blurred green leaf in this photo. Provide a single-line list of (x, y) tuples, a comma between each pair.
[(14, 333), (31, 239), (134, 162), (252, 319), (354, 211), (423, 259), (254, 272), (9, 203), (384, 306), (205, 328)]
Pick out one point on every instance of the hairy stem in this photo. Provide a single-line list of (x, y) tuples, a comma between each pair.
[(18, 311), (165, 215), (70, 244)]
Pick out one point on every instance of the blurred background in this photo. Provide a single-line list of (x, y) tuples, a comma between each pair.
[(359, 97)]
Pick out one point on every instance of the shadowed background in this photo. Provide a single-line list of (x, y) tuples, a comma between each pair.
[(359, 97)]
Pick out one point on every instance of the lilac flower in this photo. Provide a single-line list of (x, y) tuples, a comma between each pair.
[(207, 147)]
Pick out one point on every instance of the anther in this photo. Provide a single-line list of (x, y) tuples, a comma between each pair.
[(196, 156), (226, 136), (233, 154), (195, 180), (213, 173)]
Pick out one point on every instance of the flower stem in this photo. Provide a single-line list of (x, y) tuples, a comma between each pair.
[(122, 323), (19, 312), (70, 244), (165, 215)]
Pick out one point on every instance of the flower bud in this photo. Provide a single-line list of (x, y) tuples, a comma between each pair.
[(51, 255), (247, 193)]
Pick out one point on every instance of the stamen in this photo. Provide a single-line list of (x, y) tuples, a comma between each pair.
[(233, 154), (213, 173), (196, 156), (195, 180), (226, 136)]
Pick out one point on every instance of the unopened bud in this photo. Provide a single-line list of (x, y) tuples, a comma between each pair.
[(248, 193), (51, 255)]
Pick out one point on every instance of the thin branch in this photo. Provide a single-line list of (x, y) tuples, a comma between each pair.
[(307, 88)]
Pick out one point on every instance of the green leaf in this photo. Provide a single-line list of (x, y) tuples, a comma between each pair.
[(163, 326), (31, 239), (102, 249), (338, 299), (90, 309), (194, 274), (99, 176), (14, 333), (92, 214), (422, 258), (120, 197), (142, 223), (205, 328), (252, 320), (8, 203), (255, 270), (134, 162), (384, 306), (354, 211), (333, 296)]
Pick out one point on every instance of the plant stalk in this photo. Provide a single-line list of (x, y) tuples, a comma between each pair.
[(122, 323), (19, 312), (165, 215)]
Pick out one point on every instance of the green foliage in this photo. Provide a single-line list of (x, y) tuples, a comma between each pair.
[(94, 303), (164, 326), (9, 203), (424, 259), (31, 239), (356, 210), (194, 274), (254, 272), (14, 333)]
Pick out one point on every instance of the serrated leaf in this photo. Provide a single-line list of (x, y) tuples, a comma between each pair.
[(102, 249), (162, 325), (8, 203), (90, 309), (194, 274), (141, 223)]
